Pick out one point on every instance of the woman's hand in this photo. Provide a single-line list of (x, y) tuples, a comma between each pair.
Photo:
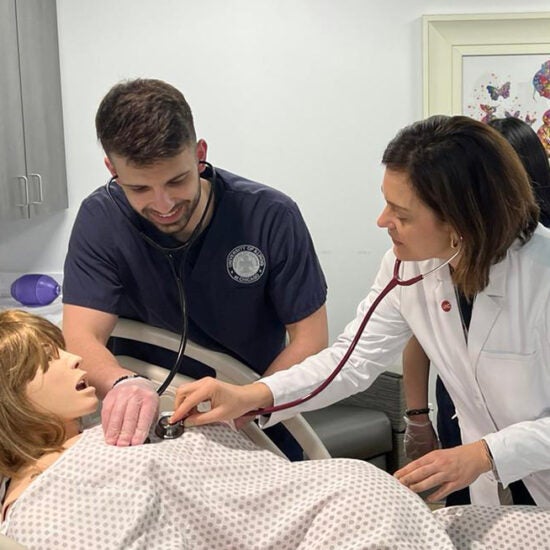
[(448, 469), (227, 401)]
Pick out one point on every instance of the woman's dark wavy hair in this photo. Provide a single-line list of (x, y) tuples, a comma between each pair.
[(472, 179)]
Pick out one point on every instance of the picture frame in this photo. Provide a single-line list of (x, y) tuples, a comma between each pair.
[(449, 40)]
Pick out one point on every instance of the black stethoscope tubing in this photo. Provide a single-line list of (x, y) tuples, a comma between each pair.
[(168, 253)]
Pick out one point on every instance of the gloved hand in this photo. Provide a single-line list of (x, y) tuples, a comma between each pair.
[(128, 411), (420, 438)]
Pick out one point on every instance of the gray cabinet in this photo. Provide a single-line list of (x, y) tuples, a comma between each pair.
[(33, 177)]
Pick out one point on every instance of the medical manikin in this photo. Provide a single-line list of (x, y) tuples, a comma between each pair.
[(199, 491)]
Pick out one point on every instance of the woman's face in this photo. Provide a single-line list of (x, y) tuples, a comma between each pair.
[(416, 232), (63, 389)]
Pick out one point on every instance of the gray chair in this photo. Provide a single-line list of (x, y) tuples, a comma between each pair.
[(386, 395), (349, 431)]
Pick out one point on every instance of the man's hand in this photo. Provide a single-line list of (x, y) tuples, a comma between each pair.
[(128, 411), (448, 469), (227, 401), (420, 438)]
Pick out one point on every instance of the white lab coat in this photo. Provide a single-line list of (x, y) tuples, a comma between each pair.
[(499, 381)]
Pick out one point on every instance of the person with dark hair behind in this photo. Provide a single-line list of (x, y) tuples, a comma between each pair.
[(420, 437), (532, 154)]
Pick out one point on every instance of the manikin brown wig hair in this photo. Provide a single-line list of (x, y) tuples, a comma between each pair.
[(27, 343)]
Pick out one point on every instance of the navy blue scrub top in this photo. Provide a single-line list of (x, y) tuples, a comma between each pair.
[(252, 271)]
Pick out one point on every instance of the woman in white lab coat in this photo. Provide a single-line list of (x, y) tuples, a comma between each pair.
[(451, 185)]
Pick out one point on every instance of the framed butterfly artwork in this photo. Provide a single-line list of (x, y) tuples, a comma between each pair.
[(488, 66)]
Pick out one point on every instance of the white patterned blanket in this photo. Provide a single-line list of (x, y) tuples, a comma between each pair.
[(477, 527), (213, 489)]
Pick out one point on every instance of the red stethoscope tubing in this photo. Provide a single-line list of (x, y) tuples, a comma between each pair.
[(394, 281)]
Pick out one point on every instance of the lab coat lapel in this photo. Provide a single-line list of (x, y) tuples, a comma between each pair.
[(487, 307), (449, 328), (441, 287)]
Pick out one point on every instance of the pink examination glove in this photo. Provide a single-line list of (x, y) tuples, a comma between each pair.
[(128, 411), (420, 438)]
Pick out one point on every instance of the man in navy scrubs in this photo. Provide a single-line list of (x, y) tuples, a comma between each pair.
[(253, 283)]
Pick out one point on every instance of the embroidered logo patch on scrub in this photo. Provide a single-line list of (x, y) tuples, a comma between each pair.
[(245, 264)]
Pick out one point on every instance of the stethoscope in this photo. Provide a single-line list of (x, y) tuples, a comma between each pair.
[(394, 281), (163, 428)]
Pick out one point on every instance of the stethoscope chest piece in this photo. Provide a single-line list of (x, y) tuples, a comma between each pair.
[(165, 430)]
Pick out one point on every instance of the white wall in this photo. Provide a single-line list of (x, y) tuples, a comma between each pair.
[(299, 94)]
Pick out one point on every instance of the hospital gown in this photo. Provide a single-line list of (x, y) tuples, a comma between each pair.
[(214, 489)]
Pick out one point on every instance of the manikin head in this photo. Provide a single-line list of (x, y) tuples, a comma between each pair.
[(43, 392), (146, 129)]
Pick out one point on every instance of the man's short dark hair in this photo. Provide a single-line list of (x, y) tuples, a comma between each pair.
[(144, 120)]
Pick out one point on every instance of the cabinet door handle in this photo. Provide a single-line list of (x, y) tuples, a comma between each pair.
[(40, 192), (26, 188)]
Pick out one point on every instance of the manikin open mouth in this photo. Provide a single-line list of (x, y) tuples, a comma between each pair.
[(82, 384)]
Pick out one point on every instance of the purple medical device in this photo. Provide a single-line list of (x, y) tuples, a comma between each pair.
[(35, 290)]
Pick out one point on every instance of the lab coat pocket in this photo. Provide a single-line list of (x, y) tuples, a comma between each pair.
[(513, 385)]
